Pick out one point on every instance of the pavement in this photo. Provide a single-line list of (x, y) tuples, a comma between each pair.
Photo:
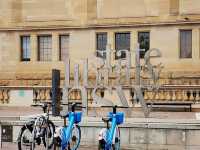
[(12, 112), (136, 115), (13, 146)]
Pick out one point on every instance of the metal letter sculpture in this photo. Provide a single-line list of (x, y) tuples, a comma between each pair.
[(104, 77)]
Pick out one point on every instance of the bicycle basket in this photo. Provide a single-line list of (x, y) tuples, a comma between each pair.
[(119, 117), (77, 117)]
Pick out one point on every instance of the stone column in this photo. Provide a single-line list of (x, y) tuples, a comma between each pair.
[(34, 49), (55, 47)]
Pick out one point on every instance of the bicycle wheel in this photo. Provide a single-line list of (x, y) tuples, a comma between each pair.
[(47, 137), (25, 138), (116, 140), (75, 139), (38, 133)]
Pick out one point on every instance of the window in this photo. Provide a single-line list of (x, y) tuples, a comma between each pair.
[(63, 47), (44, 48), (25, 48), (101, 42), (144, 41), (122, 41), (186, 44)]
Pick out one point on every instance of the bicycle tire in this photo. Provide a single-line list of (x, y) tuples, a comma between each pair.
[(116, 143), (46, 134), (75, 140), (38, 133), (23, 140)]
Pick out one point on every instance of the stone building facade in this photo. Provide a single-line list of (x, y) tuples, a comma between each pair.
[(35, 36)]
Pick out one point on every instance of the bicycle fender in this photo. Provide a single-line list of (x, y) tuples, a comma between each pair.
[(102, 134)]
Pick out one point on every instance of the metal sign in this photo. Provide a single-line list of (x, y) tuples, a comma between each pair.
[(6, 133), (121, 69)]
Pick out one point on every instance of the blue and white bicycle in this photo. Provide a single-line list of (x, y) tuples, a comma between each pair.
[(68, 137), (109, 137)]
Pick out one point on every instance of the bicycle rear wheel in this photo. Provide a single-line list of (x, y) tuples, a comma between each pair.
[(25, 139), (75, 138)]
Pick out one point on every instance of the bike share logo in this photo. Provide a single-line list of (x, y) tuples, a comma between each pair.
[(112, 75)]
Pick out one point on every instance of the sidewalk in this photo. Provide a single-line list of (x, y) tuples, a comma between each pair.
[(14, 113)]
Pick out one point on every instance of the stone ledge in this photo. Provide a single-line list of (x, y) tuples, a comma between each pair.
[(190, 124)]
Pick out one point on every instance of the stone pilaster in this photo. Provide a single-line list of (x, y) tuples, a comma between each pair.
[(55, 47), (195, 44), (34, 48)]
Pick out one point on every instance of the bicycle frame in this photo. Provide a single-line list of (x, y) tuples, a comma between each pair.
[(110, 133), (66, 131)]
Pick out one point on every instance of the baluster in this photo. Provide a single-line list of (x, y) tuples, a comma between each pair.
[(38, 96), (173, 95), (191, 96), (157, 95), (185, 96), (73, 95), (78, 95), (1, 95), (145, 95), (47, 94), (5, 95), (150, 95), (197, 95), (179, 95), (34, 95), (168, 95), (42, 95), (161, 95)]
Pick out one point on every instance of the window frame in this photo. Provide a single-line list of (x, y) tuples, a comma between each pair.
[(96, 44), (21, 47), (60, 48), (145, 31), (115, 43), (181, 30), (38, 46)]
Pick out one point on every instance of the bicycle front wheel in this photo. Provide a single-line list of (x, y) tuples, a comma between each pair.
[(39, 133), (75, 138), (116, 140), (48, 135)]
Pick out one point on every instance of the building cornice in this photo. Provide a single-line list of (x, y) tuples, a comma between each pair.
[(99, 25)]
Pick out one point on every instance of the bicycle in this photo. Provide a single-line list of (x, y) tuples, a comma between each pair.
[(109, 137), (37, 131), (69, 137)]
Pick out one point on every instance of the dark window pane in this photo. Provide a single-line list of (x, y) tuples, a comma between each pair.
[(144, 41), (122, 42), (186, 44), (101, 42), (64, 46), (25, 48), (44, 48)]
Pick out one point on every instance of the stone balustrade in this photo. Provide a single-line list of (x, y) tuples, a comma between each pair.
[(180, 93)]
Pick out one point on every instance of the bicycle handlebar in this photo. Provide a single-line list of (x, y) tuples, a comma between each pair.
[(74, 105), (115, 107)]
